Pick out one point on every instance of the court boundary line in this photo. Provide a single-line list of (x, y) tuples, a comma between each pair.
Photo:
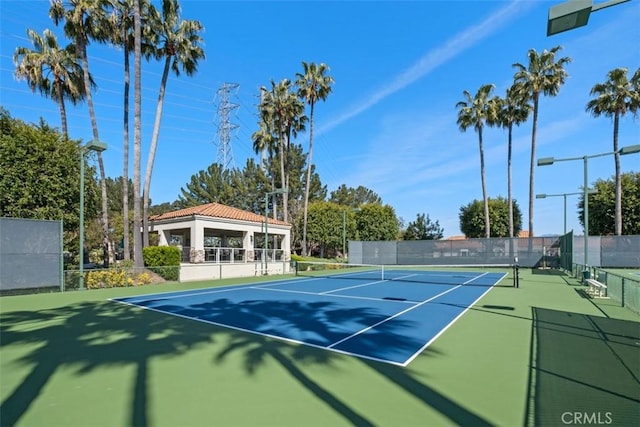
[(454, 320), (368, 328), (204, 291), (336, 296)]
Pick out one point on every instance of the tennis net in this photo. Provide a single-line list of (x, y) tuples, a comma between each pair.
[(469, 274)]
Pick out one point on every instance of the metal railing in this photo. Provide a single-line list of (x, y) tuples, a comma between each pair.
[(220, 255), (272, 255)]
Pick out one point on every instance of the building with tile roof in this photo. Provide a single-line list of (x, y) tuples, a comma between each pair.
[(221, 241)]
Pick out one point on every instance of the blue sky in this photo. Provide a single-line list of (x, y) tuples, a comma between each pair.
[(390, 123)]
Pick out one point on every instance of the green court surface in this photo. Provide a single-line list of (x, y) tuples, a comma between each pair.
[(537, 355)]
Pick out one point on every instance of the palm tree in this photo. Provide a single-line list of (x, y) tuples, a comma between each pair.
[(137, 134), (284, 113), (474, 111), (511, 110), (122, 21), (180, 46), (85, 20), (122, 35), (313, 86), (54, 72), (542, 75), (615, 98)]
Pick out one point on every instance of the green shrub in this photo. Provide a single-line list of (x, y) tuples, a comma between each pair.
[(115, 277), (163, 260)]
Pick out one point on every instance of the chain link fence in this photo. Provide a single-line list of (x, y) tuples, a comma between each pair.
[(531, 252)]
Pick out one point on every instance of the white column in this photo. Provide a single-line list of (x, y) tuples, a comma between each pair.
[(163, 237), (197, 235), (286, 244)]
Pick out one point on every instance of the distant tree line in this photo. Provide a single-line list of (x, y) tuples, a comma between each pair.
[(40, 173)]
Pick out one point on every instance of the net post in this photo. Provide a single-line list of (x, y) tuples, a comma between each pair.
[(516, 273)]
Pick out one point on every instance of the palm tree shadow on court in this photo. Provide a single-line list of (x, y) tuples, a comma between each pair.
[(257, 349), (313, 319), (409, 381), (88, 336)]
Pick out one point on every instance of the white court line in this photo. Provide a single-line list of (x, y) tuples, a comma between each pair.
[(428, 343), (360, 332), (392, 317), (203, 291), (336, 296), (352, 287), (253, 331)]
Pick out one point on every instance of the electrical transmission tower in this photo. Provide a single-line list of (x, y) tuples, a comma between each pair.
[(225, 127)]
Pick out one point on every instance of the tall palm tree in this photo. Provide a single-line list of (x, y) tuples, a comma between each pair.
[(542, 75), (180, 46), (122, 21), (56, 73), (85, 20), (615, 98), (313, 86), (137, 133), (474, 111), (122, 35), (284, 112), (512, 110)]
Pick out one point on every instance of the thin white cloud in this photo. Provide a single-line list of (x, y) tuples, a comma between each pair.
[(435, 58)]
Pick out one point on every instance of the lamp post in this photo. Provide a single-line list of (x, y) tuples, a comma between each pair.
[(344, 230), (574, 14), (546, 161), (97, 146), (544, 196), (266, 225)]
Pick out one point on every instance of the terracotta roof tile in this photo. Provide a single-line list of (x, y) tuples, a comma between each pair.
[(216, 210)]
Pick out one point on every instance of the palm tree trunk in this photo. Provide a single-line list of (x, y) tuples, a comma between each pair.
[(282, 175), (137, 238), (532, 166), (63, 109), (487, 222), (306, 192), (125, 149), (616, 157), (509, 199), (96, 137), (152, 153)]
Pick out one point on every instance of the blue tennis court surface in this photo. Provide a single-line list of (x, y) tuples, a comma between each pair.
[(388, 320)]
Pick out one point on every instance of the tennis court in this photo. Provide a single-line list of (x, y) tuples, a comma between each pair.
[(388, 315)]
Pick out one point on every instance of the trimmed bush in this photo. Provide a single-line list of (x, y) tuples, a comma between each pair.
[(115, 277), (163, 260)]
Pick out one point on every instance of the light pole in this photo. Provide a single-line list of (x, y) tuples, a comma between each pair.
[(574, 14), (266, 225), (344, 230), (544, 196), (546, 161), (97, 146)]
